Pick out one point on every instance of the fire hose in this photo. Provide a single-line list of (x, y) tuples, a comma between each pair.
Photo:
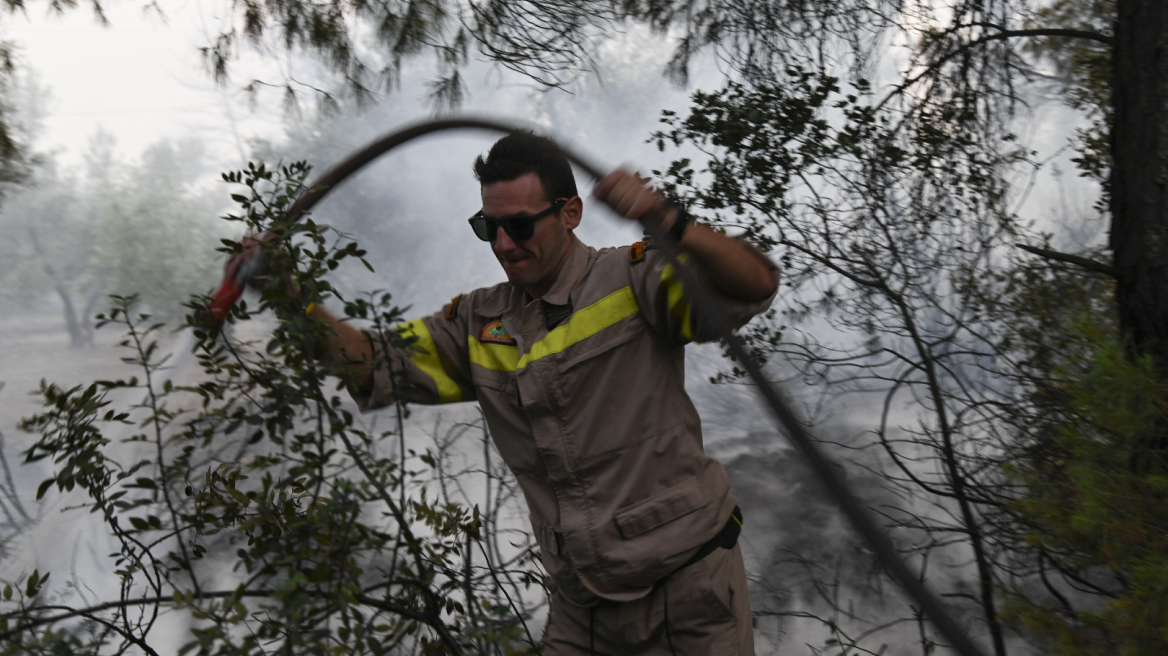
[(242, 270)]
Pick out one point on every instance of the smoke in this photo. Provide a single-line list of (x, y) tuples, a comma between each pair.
[(808, 569)]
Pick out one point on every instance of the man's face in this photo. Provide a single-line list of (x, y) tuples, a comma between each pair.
[(533, 263)]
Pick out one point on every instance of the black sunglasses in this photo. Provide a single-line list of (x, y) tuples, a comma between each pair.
[(519, 227)]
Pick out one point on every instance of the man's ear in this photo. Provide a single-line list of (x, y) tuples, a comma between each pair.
[(572, 213)]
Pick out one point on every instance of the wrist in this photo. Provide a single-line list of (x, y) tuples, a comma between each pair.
[(671, 220), (677, 226)]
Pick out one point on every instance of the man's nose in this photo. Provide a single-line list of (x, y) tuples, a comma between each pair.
[(503, 241)]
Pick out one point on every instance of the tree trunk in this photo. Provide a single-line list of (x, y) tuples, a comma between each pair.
[(77, 337), (1139, 229)]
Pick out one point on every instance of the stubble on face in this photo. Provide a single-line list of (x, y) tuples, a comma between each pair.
[(534, 263)]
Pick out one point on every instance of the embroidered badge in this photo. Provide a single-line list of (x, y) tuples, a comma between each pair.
[(496, 333)]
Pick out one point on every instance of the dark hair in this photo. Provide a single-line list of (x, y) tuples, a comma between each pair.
[(520, 153)]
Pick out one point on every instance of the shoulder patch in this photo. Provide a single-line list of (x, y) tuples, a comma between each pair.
[(637, 252), (452, 309), (496, 333)]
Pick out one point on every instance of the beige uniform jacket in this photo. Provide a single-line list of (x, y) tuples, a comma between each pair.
[(591, 415)]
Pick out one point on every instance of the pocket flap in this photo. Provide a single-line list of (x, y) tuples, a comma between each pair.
[(675, 502), (607, 345), (545, 535)]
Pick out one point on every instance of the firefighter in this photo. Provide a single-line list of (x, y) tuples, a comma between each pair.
[(577, 362)]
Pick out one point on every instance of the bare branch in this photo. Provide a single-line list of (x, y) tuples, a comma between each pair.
[(1086, 263)]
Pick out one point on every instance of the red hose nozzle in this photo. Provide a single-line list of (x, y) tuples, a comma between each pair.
[(243, 270)]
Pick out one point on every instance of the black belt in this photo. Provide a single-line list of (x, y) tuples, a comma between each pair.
[(725, 539)]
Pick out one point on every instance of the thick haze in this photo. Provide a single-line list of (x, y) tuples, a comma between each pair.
[(141, 81)]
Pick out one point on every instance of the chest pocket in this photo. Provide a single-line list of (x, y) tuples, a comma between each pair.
[(496, 388), (498, 396), (575, 358), (592, 390), (499, 381)]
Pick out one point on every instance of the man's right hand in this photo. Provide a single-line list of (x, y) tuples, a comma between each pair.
[(249, 266)]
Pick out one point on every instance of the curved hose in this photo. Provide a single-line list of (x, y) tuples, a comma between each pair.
[(702, 297)]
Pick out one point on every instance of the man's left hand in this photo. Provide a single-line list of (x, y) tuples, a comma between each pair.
[(630, 196), (735, 269)]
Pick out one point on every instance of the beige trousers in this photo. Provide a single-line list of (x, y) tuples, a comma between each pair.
[(708, 615)]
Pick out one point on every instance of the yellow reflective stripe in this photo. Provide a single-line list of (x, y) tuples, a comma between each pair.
[(424, 354), (496, 357), (679, 305), (585, 323)]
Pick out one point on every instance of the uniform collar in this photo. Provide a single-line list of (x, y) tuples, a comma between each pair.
[(569, 275), (501, 298), (512, 297)]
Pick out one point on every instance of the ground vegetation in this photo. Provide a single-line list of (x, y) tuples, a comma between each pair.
[(252, 509)]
